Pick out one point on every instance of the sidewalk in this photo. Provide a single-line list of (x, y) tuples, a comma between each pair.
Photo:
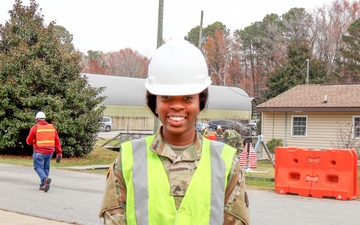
[(88, 167), (12, 218)]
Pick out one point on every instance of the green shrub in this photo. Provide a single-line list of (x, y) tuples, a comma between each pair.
[(39, 70), (274, 143)]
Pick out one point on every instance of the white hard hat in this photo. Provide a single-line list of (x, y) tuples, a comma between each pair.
[(218, 127), (203, 127), (177, 68), (40, 115)]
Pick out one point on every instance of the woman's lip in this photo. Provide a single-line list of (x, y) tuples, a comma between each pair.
[(177, 118), (173, 122)]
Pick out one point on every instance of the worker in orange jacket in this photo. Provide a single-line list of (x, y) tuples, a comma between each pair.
[(45, 139)]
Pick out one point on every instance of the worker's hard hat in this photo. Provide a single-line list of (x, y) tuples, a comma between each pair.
[(218, 127), (203, 128), (177, 68), (40, 115)]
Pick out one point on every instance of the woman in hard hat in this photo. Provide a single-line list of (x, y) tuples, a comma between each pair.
[(176, 176)]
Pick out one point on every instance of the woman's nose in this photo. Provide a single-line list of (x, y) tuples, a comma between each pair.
[(177, 105)]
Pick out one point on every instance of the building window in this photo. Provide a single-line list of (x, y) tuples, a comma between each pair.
[(356, 122), (299, 126)]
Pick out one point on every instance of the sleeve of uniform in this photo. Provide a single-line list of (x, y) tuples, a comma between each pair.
[(236, 198), (31, 136), (114, 198)]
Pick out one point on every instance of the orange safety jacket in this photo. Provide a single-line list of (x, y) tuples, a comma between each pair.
[(45, 135)]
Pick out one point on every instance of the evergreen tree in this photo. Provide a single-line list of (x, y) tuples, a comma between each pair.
[(350, 52), (294, 72), (38, 72), (193, 34)]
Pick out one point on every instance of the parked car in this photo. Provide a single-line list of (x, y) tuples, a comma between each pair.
[(231, 124), (253, 125), (106, 123), (254, 122), (199, 126), (253, 129), (244, 130), (225, 124)]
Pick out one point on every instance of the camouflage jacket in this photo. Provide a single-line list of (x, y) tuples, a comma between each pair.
[(180, 170), (219, 132)]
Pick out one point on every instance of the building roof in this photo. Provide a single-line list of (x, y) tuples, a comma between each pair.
[(119, 90), (315, 97), (129, 91)]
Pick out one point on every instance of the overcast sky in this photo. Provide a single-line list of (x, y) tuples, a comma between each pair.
[(111, 25)]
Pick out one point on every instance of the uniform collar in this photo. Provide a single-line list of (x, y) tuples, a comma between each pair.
[(161, 148)]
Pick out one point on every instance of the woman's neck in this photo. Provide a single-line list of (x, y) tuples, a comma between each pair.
[(183, 139)]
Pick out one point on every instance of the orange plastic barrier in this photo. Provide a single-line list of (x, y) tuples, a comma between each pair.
[(211, 137), (317, 173), (338, 174), (291, 170)]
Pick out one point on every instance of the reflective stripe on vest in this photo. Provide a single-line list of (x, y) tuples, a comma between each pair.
[(148, 188), (45, 135)]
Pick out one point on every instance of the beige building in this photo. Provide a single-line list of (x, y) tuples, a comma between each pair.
[(125, 102), (314, 116)]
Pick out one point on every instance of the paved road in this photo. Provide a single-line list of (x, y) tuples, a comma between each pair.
[(75, 198), (110, 134)]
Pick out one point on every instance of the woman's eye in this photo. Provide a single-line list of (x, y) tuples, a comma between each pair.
[(165, 97), (188, 97)]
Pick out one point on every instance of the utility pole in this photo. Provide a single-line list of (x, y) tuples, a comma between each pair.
[(200, 32), (307, 71), (158, 44), (160, 23)]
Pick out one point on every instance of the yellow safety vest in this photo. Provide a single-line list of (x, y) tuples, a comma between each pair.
[(148, 200)]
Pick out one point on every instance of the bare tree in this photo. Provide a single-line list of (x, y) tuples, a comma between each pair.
[(331, 22), (346, 138), (216, 51), (127, 63)]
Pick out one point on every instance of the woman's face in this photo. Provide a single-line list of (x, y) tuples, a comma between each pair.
[(178, 115)]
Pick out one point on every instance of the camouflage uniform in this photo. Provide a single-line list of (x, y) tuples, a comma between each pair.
[(230, 137), (237, 139), (219, 135), (180, 169), (219, 132)]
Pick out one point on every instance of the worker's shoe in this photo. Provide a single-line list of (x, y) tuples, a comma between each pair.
[(46, 186)]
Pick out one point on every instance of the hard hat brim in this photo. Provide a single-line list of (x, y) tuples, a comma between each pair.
[(176, 89)]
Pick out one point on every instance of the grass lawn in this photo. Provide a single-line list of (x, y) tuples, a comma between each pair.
[(262, 177), (99, 156)]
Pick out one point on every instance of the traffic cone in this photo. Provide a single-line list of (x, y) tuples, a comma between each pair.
[(252, 158), (243, 157)]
